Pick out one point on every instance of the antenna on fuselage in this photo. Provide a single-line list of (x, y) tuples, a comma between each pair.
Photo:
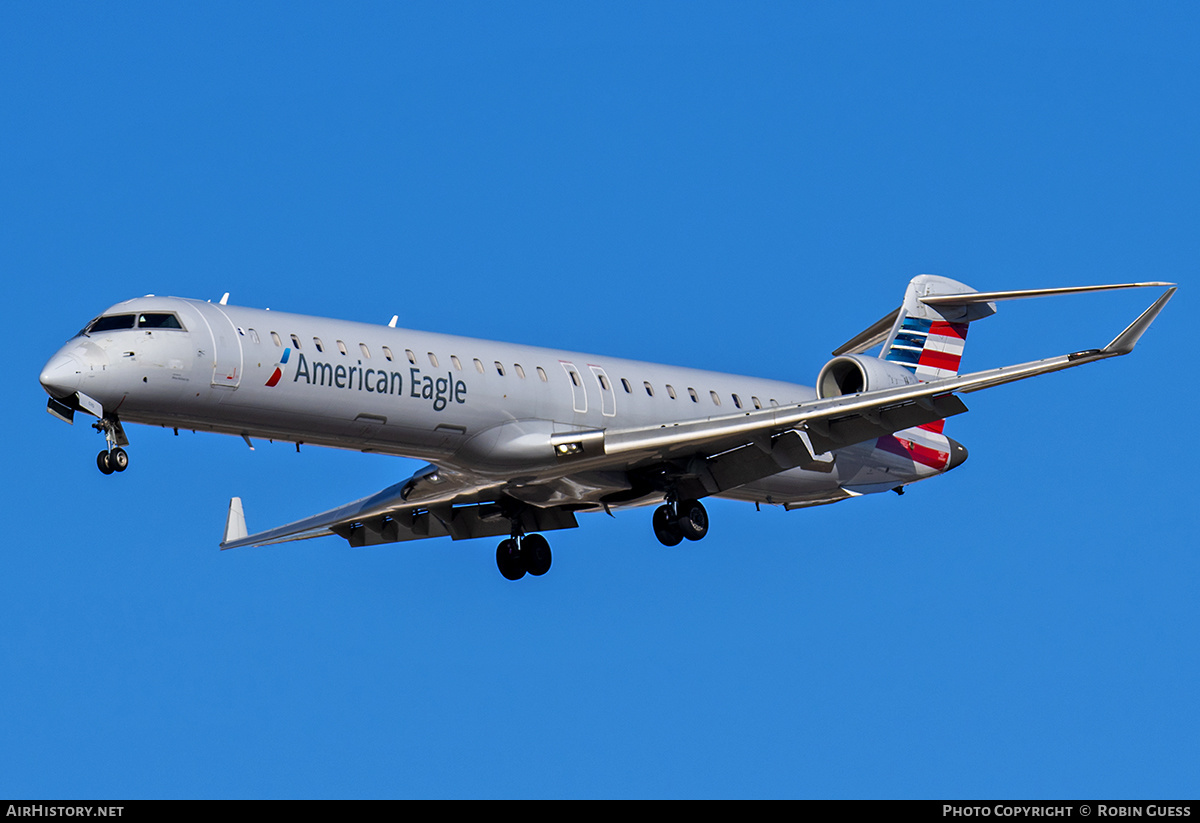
[(225, 299), (392, 324)]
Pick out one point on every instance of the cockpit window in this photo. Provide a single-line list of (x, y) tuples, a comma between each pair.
[(158, 321), (113, 322)]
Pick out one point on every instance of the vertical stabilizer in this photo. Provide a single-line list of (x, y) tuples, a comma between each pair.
[(929, 341)]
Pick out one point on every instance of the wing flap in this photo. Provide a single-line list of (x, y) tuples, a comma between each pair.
[(432, 503), (403, 511)]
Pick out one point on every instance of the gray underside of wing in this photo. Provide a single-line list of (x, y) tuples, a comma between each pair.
[(432, 503)]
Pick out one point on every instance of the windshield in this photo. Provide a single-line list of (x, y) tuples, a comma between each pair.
[(113, 322), (146, 320), (158, 321)]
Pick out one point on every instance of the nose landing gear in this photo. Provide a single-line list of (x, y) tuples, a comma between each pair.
[(114, 458)]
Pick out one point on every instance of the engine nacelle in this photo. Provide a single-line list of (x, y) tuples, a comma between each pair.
[(854, 373)]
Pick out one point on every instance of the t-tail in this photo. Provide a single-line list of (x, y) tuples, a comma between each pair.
[(929, 341), (923, 341)]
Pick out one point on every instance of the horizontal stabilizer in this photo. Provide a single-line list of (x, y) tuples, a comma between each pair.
[(993, 296), (870, 337)]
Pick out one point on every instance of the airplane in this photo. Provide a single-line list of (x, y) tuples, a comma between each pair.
[(519, 440)]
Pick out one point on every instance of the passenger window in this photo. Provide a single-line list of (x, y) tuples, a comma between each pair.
[(457, 364), (388, 354), (574, 377), (671, 391), (625, 385), (499, 368), (737, 401), (693, 395), (275, 337), (412, 358), (296, 342), (757, 403), (520, 371), (774, 402), (317, 342), (254, 335), (715, 398), (649, 388), (478, 365), (362, 347), (342, 347), (433, 359), (542, 374)]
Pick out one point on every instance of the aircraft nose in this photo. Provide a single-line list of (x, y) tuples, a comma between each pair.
[(61, 375), (958, 454)]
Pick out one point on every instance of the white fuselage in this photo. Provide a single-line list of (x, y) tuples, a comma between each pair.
[(473, 405)]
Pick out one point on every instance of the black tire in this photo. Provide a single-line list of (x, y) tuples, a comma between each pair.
[(535, 551), (102, 463), (118, 459), (664, 527), (508, 560), (693, 520)]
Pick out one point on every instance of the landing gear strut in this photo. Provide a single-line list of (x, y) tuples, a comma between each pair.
[(522, 554), (679, 520), (114, 458)]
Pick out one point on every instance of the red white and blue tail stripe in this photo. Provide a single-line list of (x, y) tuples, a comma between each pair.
[(930, 349), (929, 342)]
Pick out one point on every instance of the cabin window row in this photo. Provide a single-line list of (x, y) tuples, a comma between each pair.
[(411, 356), (716, 398)]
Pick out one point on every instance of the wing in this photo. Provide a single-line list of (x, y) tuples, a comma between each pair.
[(706, 456), (434, 502), (725, 452)]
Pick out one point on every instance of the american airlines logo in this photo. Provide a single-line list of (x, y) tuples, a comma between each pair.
[(278, 373), (440, 391)]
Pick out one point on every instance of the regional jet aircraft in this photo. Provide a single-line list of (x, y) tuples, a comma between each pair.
[(521, 439)]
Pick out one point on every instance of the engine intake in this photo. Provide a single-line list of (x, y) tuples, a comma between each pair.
[(855, 373)]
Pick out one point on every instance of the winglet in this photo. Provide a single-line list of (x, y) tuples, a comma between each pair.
[(235, 522), (1124, 342)]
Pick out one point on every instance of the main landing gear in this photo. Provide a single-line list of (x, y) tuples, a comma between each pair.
[(679, 520), (114, 458), (522, 554)]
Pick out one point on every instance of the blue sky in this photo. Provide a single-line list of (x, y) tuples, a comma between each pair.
[(738, 187)]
